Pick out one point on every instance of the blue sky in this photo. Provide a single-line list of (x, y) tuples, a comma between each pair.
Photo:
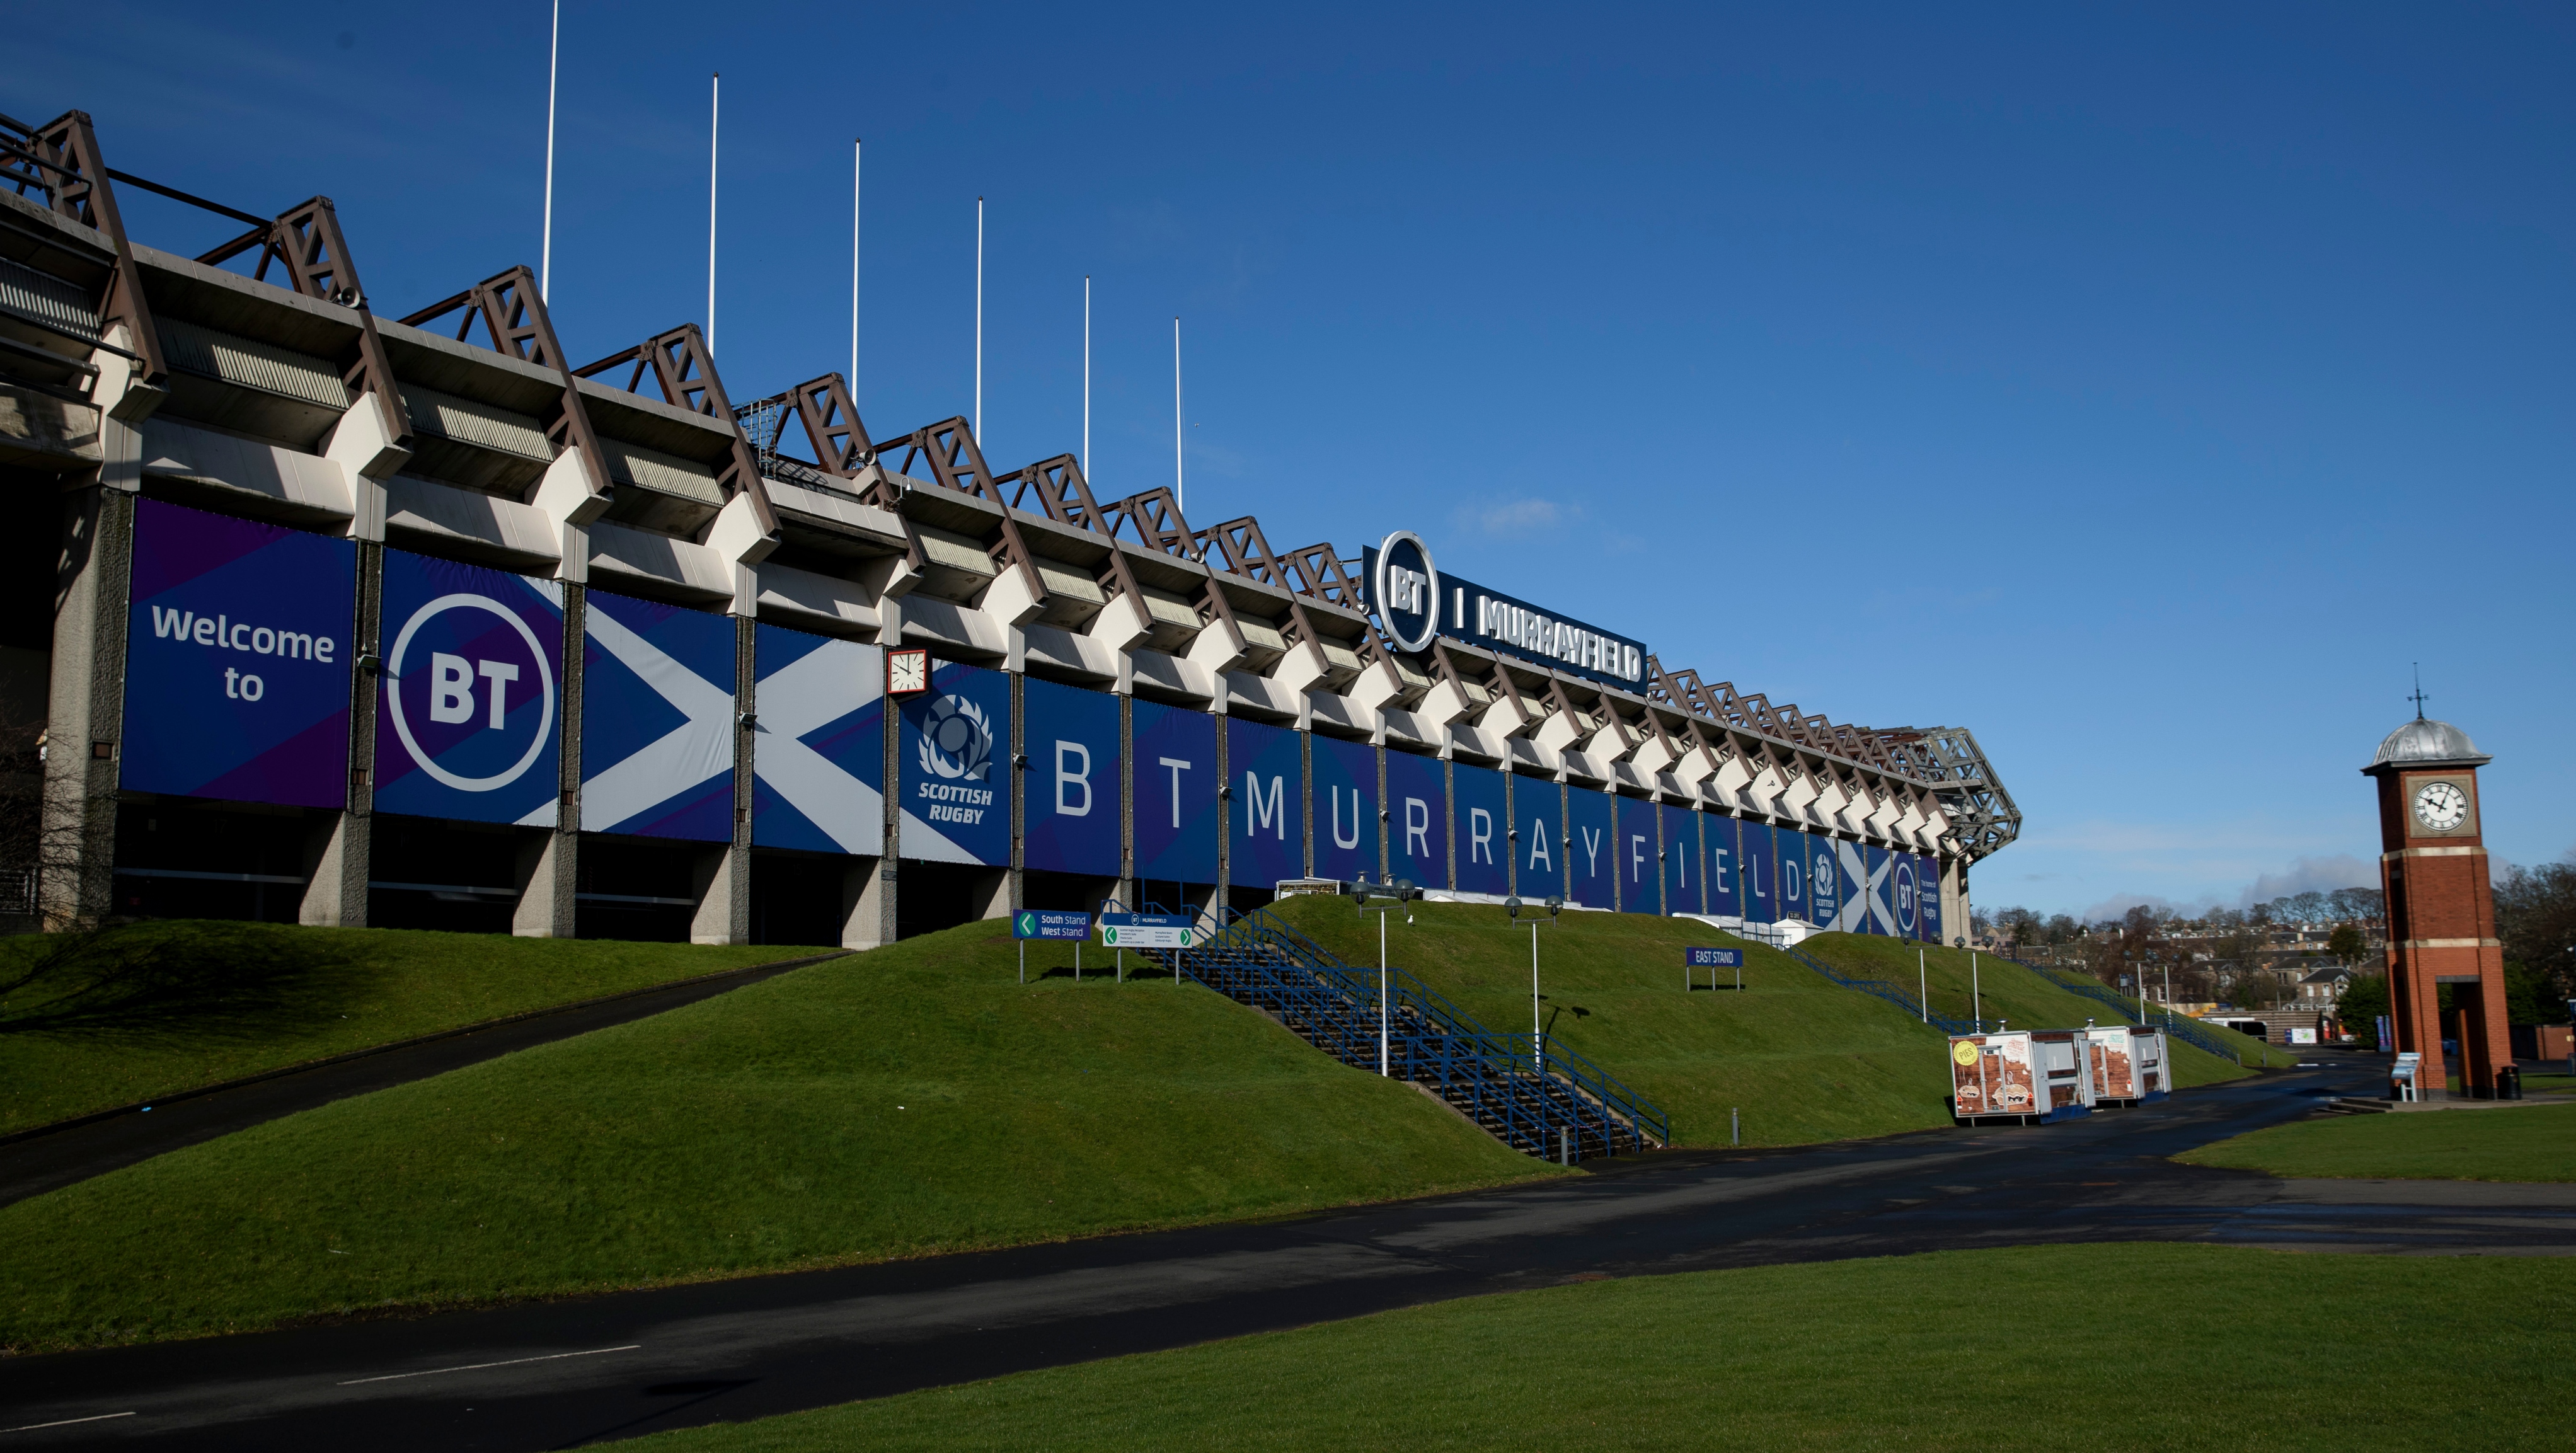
[(2142, 390)]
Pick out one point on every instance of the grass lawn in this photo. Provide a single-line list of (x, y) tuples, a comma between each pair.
[(2015, 994), (156, 1008), (2177, 1348), (2520, 1143), (1805, 1059), (909, 1100)]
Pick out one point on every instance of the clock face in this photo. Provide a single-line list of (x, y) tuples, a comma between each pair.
[(2441, 806), (907, 671)]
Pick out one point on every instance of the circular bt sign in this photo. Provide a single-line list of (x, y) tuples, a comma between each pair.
[(465, 679), (1406, 591), (1905, 894)]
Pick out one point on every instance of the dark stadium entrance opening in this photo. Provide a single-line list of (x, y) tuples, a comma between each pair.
[(456, 877), (800, 898), (187, 857), (639, 888), (933, 896)]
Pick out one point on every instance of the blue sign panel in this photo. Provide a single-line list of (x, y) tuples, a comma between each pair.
[(1791, 874), (1417, 804), (1882, 910), (818, 749), (1345, 809), (1050, 923), (237, 652), (1539, 853), (1071, 821), (1684, 879), (467, 707), (953, 750), (1640, 870), (1901, 868), (1176, 817), (1414, 601), (1713, 958), (1725, 867), (657, 720), (1927, 888), (1594, 856), (1851, 874), (1269, 844), (1824, 882), (1758, 873), (1484, 829)]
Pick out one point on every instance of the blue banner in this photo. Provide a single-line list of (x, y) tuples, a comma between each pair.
[(1901, 870), (467, 708), (818, 748), (1758, 872), (1594, 857), (1417, 804), (1791, 874), (1484, 829), (657, 719), (1071, 821), (953, 749), (1882, 910), (1176, 816), (1640, 870), (1927, 887), (1263, 765), (1725, 867), (1684, 877), (237, 659), (1851, 881), (1345, 809), (1824, 882), (1539, 852)]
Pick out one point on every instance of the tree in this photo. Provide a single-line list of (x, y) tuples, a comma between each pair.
[(2346, 944), (2364, 1000), (2536, 920)]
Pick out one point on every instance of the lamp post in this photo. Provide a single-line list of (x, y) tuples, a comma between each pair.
[(1538, 1042), (1402, 890)]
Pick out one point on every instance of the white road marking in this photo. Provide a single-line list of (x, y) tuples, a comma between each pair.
[(479, 1366), (66, 1422)]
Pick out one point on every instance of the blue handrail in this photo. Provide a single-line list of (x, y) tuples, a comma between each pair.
[(2189, 1031), (1893, 993)]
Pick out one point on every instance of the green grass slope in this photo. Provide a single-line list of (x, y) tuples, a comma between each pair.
[(2012, 993), (909, 1100), (1804, 1059), (96, 1021), (2180, 1348), (2509, 1143)]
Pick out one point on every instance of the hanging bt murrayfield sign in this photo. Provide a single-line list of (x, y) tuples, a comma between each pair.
[(1415, 603)]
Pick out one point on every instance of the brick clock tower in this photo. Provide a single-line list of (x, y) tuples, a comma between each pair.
[(2441, 912)]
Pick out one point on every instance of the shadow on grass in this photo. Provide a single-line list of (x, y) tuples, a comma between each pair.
[(166, 981)]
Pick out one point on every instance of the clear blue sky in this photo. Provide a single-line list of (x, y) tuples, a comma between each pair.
[(2144, 391)]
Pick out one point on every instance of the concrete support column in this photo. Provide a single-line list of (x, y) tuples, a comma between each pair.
[(867, 903), (550, 869), (1019, 879), (342, 857), (85, 716), (1224, 809), (721, 882), (724, 891), (1306, 795), (989, 896), (546, 870), (1126, 798)]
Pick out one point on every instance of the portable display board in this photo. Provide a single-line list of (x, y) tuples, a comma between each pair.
[(1484, 829), (1268, 839), (1417, 805), (237, 660), (818, 747), (1176, 802), (1539, 854), (1070, 820), (1683, 878), (468, 704), (1345, 790), (1593, 856), (952, 755), (657, 719)]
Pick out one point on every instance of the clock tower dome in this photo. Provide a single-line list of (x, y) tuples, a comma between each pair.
[(2441, 911)]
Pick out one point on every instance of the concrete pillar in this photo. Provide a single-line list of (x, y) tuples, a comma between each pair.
[(336, 872), (1306, 796), (1221, 898), (867, 903), (724, 888), (1019, 875), (550, 869), (721, 882), (85, 715), (990, 894), (1126, 796)]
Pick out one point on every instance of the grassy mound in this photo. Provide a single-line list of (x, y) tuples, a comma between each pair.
[(1802, 1058), (2012, 993), (1804, 1357), (909, 1100), (93, 1021), (2516, 1143)]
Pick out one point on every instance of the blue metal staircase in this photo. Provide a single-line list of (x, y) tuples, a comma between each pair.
[(1534, 1095), (1894, 993)]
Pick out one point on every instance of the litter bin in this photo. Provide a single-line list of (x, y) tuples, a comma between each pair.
[(2508, 1084)]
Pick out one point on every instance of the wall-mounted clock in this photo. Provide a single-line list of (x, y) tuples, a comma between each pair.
[(2441, 806), (907, 672)]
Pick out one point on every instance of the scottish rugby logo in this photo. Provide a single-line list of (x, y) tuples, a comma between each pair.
[(957, 740)]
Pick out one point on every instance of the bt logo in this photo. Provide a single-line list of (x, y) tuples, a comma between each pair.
[(474, 693)]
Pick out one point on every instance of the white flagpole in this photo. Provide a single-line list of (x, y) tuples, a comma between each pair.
[(1086, 375), (1179, 497), (856, 148), (715, 111), (546, 252), (979, 322)]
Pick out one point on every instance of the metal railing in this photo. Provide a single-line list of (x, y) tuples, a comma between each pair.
[(1894, 993), (2190, 1031), (1529, 1092)]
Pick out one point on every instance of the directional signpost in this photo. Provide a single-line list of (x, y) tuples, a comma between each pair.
[(1050, 923), (1712, 959), (1123, 931)]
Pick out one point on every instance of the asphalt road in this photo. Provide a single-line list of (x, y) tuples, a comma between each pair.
[(568, 1373), (51, 1157)]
